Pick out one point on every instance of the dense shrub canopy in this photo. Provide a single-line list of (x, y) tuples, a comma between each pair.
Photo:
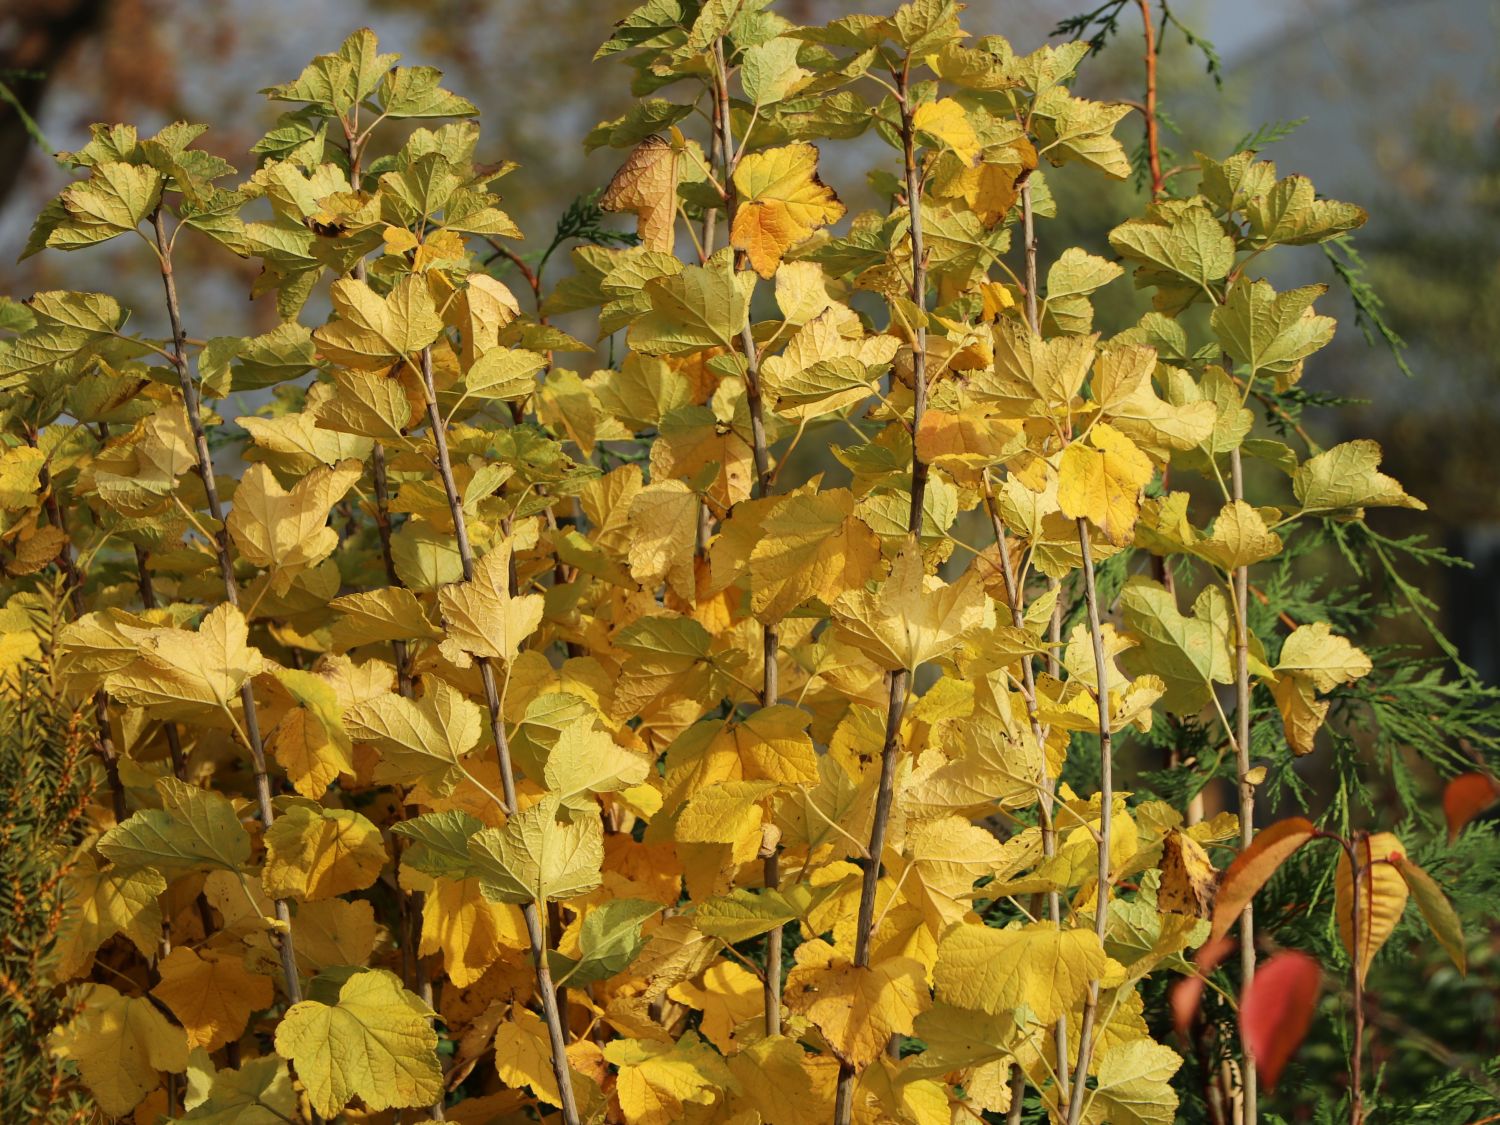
[(801, 711)]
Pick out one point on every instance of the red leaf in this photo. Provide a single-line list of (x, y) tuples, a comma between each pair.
[(1253, 866), (1187, 994), (1277, 1008), (1465, 797)]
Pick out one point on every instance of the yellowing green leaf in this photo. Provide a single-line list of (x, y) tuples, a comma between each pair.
[(375, 1044), (533, 858), (195, 829), (420, 741), (180, 674), (1344, 481)]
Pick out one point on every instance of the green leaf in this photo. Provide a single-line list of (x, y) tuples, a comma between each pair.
[(438, 843), (608, 940), (194, 830), (1189, 653)]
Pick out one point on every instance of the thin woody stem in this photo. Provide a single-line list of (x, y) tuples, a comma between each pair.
[(1049, 834), (723, 144), (1106, 809), (1246, 787), (205, 467), (1153, 138), (535, 932), (899, 681), (1357, 872)]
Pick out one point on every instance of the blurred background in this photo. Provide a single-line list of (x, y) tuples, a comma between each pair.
[(1388, 104)]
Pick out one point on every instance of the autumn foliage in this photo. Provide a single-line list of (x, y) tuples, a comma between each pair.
[(721, 725)]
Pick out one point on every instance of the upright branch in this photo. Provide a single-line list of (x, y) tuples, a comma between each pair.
[(899, 681), (723, 144), (530, 911), (1153, 136), (1106, 807), (1250, 1094), (205, 468), (1015, 594)]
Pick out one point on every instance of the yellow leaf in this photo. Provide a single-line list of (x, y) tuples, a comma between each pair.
[(313, 853), (856, 1009), (179, 674), (1382, 896), (728, 995), (482, 617), (391, 613), (663, 525), (99, 904), (913, 618), (1134, 1085), (287, 532), (811, 545), (120, 1044), (471, 932), (211, 995), (647, 184), (1036, 967), (375, 1044), (784, 1083), (781, 202), (945, 122), (1101, 481), (657, 1080), (372, 332)]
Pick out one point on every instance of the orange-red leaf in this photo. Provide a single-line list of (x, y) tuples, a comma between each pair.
[(1254, 866), (1465, 797), (1276, 1010)]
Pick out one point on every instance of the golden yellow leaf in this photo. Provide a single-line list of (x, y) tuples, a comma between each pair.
[(728, 995), (658, 1081), (1188, 878), (1036, 967), (1101, 481), (913, 618), (781, 202), (1382, 895), (471, 932), (856, 1009), (945, 122), (121, 1044), (810, 545), (211, 994), (313, 853)]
